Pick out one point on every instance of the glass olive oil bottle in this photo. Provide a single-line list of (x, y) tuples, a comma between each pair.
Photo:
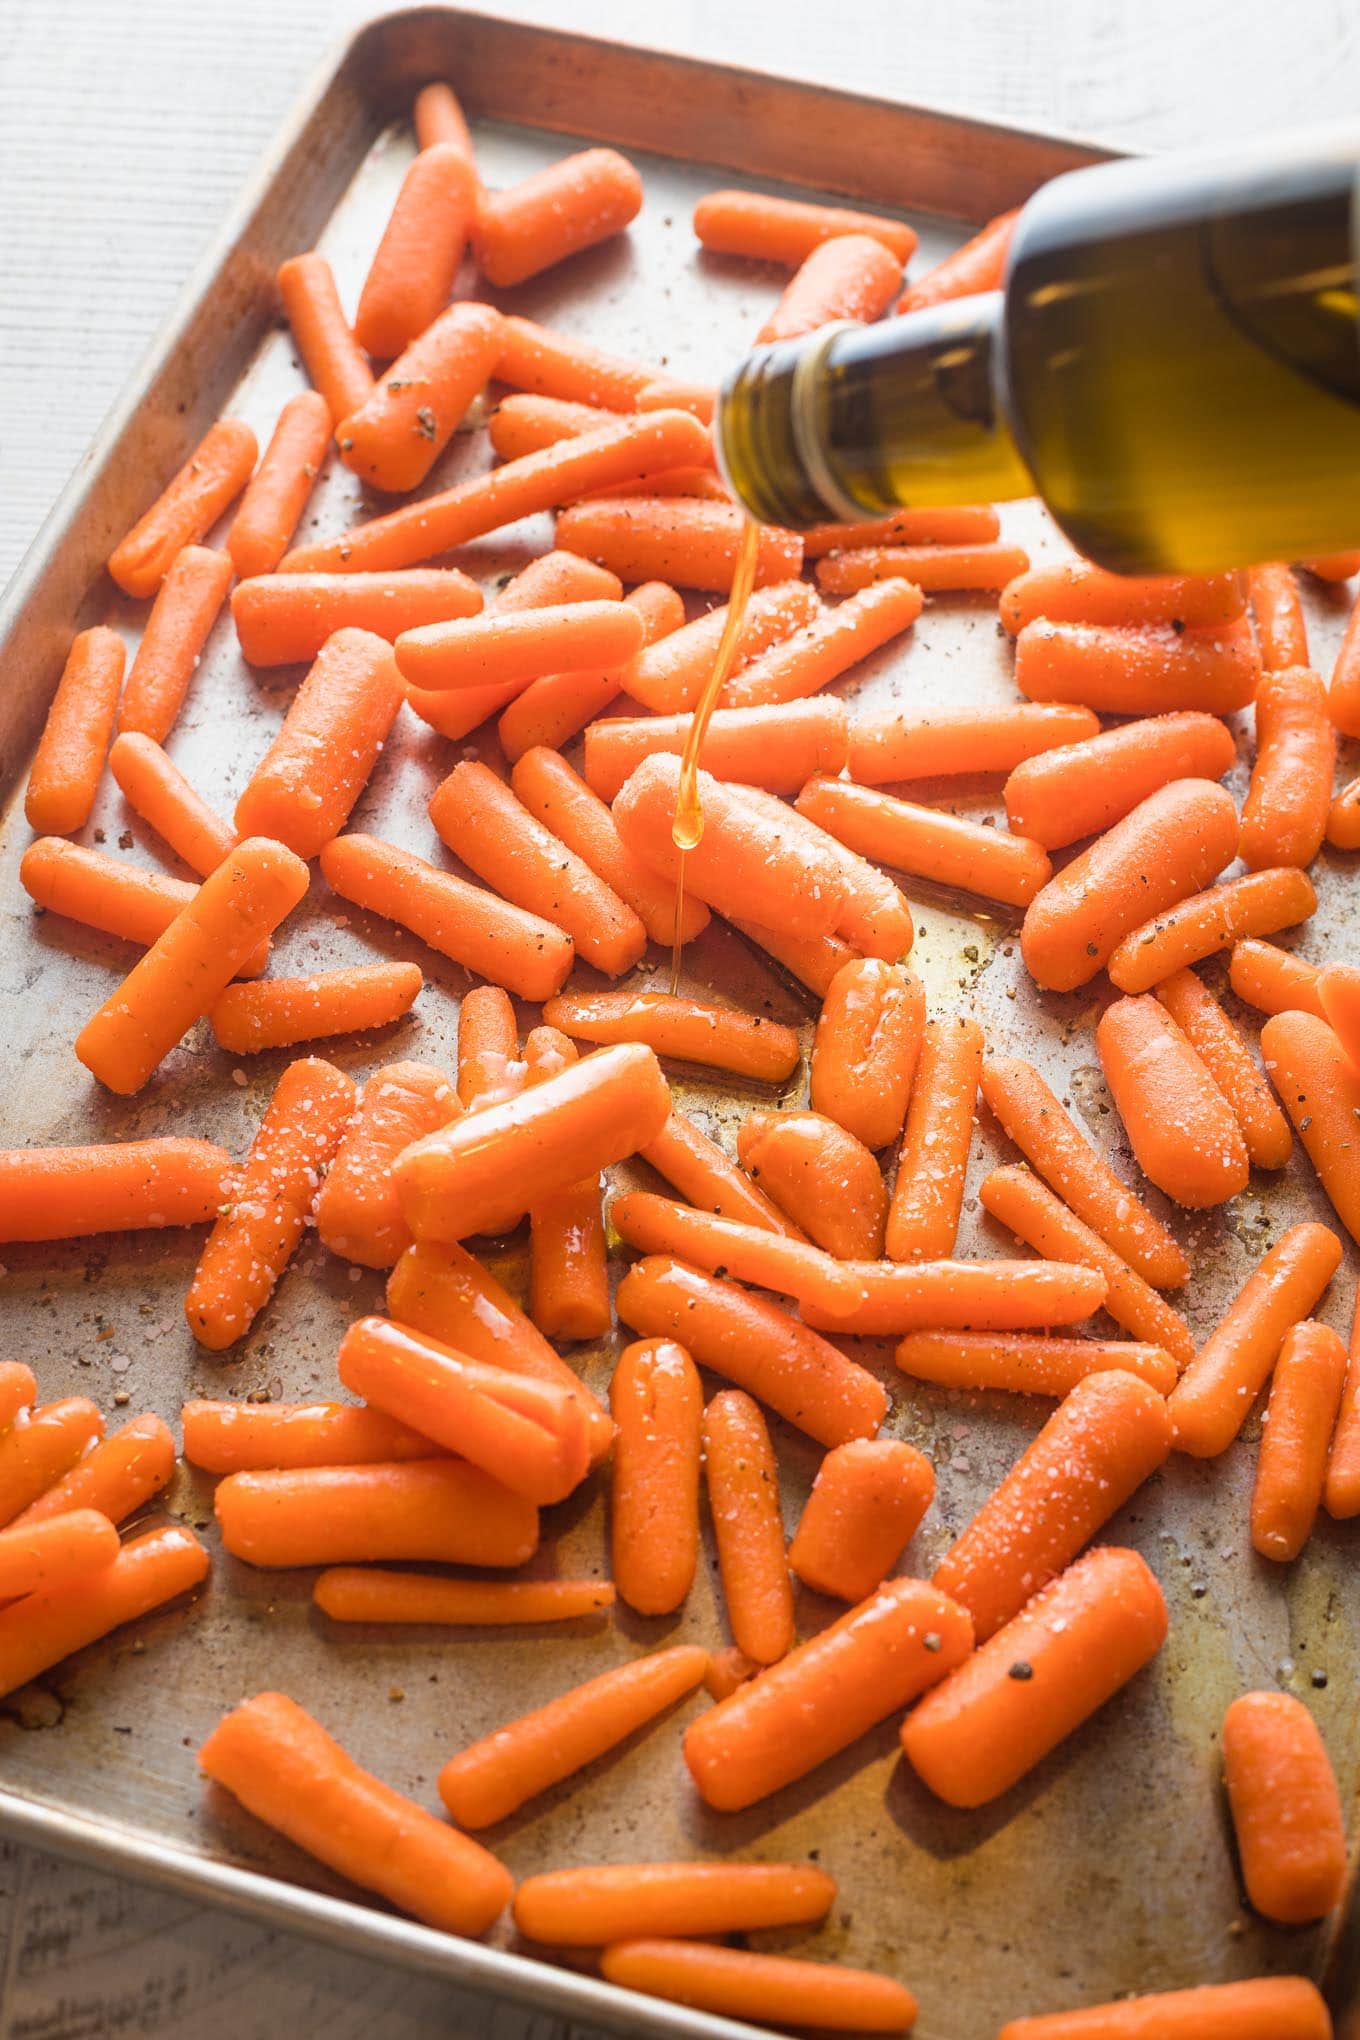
[(1173, 365)]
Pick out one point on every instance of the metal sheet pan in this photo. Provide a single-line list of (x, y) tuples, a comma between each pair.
[(1109, 1869)]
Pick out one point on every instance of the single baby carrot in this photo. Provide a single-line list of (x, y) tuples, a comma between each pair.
[(1291, 1465), (284, 1768), (719, 1037), (245, 1437), (1277, 615), (1076, 591), (1265, 2008), (670, 676), (777, 747), (1286, 1808), (813, 960), (933, 524), (849, 276), (524, 424), (705, 1176), (977, 266), (488, 1043), (1102, 1442), (282, 619), (821, 1176), (18, 1391), (62, 1193), (1028, 1363), (866, 1048), (36, 1452), (826, 1693), (927, 1198), (335, 363), (743, 1501), (875, 917), (1343, 694), (1083, 788), (684, 541), (774, 1989), (480, 819), (1341, 1489), (1319, 1087), (43, 1628), (1210, 1403), (1028, 1208), (550, 364), (595, 1905), (865, 1507), (944, 848), (1139, 672), (1261, 903), (1343, 818), (1341, 566), (1273, 980), (277, 494), (399, 431), (55, 1553), (569, 1261), (358, 1213), (64, 776), (411, 276), (279, 1012), (115, 1477), (438, 117), (557, 212), (786, 230), (664, 393), (750, 1341), (435, 1509), (1032, 1116), (1167, 848), (1289, 799), (259, 1230), (473, 927), (1183, 1132), (1339, 992), (934, 569), (1026, 1688), (495, 1776), (948, 742), (187, 508), (748, 1253), (657, 1403), (201, 950), (369, 1593), (552, 709), (499, 650), (183, 613), (1225, 1055), (832, 642), (155, 788)]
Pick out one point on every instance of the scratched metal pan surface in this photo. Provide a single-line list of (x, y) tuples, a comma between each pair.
[(1110, 1868)]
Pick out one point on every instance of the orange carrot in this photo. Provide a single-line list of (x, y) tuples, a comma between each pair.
[(1343, 818), (1273, 980), (184, 612), (1341, 1489), (703, 1174), (941, 847), (554, 365), (832, 642), (681, 540), (1031, 1684), (216, 471), (666, 394), (927, 1198), (748, 1253), (1211, 1402), (488, 1043), (1343, 694), (18, 1391), (670, 676), (246, 1437), (397, 434), (977, 266), (813, 960), (440, 1509), (775, 1989), (1265, 2008), (728, 1668), (438, 117), (656, 1401), (777, 747), (1277, 615), (37, 1450), (1086, 787), (552, 709), (743, 1502), (115, 1477), (279, 1012), (282, 619), (849, 276), (155, 788), (1341, 566), (39, 1631), (333, 359), (358, 1214), (1185, 933), (1291, 1466), (827, 1181), (569, 1262), (786, 230), (1319, 1087), (936, 524), (1287, 805), (948, 742), (412, 272), (62, 1193), (498, 650), (277, 495), (864, 1509), (1183, 1132), (1166, 849), (1225, 1055), (875, 917), (592, 1906), (370, 1594), (1028, 1363), (558, 211), (934, 569), (1139, 672), (56, 1553), (284, 1768), (64, 776), (116, 898), (866, 1048), (1286, 1808), (525, 424), (826, 1693), (1076, 591), (259, 1230), (494, 1777), (1339, 992), (719, 1037)]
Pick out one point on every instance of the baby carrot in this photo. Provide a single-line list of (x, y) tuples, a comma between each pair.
[(1273, 980), (411, 276), (1343, 818), (849, 276), (786, 230), (601, 1903), (282, 619), (1166, 849), (1261, 903), (34, 1454), (1291, 1465), (977, 266), (821, 1176), (864, 1509), (183, 613), (657, 1403), (826, 1693), (397, 434), (1264, 2008), (115, 1477), (1343, 694), (216, 471), (473, 927), (1028, 1363), (748, 1253), (284, 1768), (246, 1437), (944, 848), (1183, 1132), (866, 1048), (670, 676), (719, 1037), (1277, 615), (495, 835), (335, 363), (1341, 1489), (62, 1193), (1319, 1088), (64, 776), (665, 393), (552, 709), (875, 918), (279, 1012), (1026, 1688), (934, 569), (368, 1593), (1333, 566), (499, 650), (259, 1230), (1225, 1055), (55, 1553), (1339, 991), (778, 747), (440, 1509), (774, 1989), (1101, 1443), (524, 424), (488, 1043), (18, 1391), (832, 642), (1285, 815), (494, 1777), (927, 1198), (933, 524), (39, 1631), (1210, 1403), (813, 960), (155, 788), (1085, 787), (552, 364), (438, 117), (1286, 1808), (705, 1176), (743, 1502), (1139, 672), (1076, 591), (358, 1213), (558, 211), (1028, 1208), (277, 494), (684, 541), (569, 1263), (749, 1340), (728, 1668), (947, 742)]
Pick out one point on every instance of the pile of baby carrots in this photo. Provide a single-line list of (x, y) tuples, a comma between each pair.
[(465, 1419)]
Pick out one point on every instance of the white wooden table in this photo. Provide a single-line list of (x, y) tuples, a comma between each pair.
[(126, 127)]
